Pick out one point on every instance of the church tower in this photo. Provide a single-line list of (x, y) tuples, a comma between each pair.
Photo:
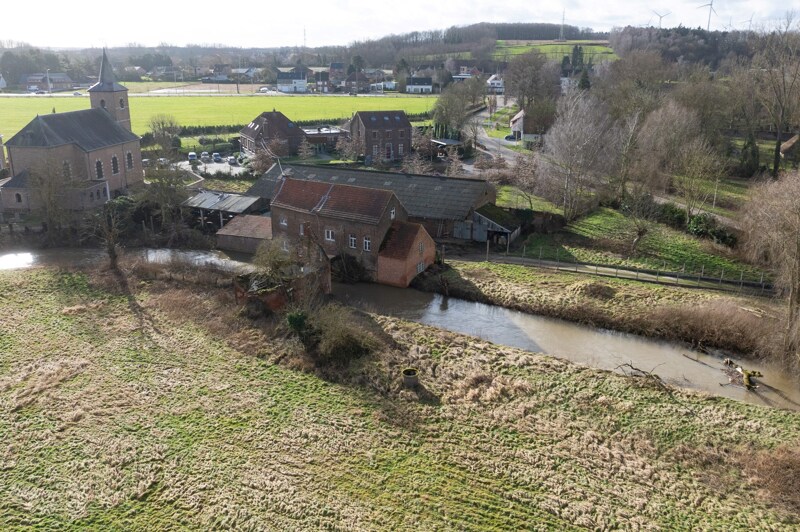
[(108, 94)]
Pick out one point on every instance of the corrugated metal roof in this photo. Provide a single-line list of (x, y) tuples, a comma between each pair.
[(89, 129), (423, 196), (220, 201)]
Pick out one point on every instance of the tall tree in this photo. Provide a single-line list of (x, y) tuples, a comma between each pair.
[(164, 127), (529, 78), (772, 226), (577, 159), (778, 69)]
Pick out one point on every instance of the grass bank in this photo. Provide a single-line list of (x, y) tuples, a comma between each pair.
[(133, 403), (748, 326)]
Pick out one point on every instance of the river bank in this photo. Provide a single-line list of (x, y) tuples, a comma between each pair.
[(136, 402), (747, 326)]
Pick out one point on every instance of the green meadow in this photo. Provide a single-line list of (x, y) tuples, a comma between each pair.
[(15, 112), (597, 50)]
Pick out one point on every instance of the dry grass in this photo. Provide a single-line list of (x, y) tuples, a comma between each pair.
[(163, 408), (776, 473)]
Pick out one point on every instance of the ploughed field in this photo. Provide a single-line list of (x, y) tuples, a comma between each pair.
[(127, 402)]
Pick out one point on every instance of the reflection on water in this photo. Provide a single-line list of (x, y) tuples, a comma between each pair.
[(14, 261), (583, 345)]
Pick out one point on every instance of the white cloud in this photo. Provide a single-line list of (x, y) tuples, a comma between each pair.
[(149, 22)]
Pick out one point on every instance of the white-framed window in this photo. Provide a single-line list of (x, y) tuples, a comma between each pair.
[(285, 245), (374, 150), (98, 169), (421, 247), (129, 160), (392, 213), (283, 221), (302, 229), (114, 165), (352, 241), (400, 149), (367, 243), (402, 134), (420, 266), (329, 236)]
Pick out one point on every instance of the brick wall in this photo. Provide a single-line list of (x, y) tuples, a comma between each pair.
[(400, 272), (286, 222)]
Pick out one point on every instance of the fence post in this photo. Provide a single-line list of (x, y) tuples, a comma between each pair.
[(637, 273), (721, 273), (595, 269), (741, 279), (523, 251), (616, 271), (576, 265), (658, 272), (558, 255), (487, 249), (540, 253), (677, 277), (762, 282)]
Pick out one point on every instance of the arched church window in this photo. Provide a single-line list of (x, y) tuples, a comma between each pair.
[(98, 166)]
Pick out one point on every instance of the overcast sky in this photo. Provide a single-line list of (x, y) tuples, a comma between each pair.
[(83, 23)]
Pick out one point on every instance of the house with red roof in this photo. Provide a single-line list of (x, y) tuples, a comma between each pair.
[(356, 221)]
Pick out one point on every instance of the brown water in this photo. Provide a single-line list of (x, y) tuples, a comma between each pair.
[(596, 348), (583, 345)]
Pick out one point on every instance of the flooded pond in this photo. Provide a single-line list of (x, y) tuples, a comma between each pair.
[(580, 344)]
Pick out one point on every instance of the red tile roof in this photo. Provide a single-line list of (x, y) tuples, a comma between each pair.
[(332, 200), (399, 240)]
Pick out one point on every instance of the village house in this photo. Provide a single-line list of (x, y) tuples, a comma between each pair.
[(416, 85), (245, 233), (357, 82), (495, 85), (292, 82), (337, 72), (271, 130), (47, 81), (323, 137), (355, 221), (380, 135), (445, 206), (322, 83), (83, 157)]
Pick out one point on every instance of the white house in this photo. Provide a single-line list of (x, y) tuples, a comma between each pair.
[(3, 83), (292, 82), (419, 86), (495, 85)]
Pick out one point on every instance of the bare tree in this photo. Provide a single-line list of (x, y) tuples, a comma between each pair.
[(163, 127), (454, 168), (528, 79), (261, 161), (347, 148), (698, 167), (526, 176), (414, 163), (772, 229), (421, 143), (166, 189), (305, 151), (451, 108), (108, 224), (575, 159), (777, 65)]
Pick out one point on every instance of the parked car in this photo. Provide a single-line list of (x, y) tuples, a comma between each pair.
[(41, 92), (77, 94), (217, 157), (510, 137), (232, 161), (192, 156)]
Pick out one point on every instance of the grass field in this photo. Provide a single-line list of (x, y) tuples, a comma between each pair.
[(159, 408), (604, 237), (596, 50), (15, 112)]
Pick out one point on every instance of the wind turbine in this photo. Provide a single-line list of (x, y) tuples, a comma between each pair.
[(749, 22), (710, 6), (660, 16)]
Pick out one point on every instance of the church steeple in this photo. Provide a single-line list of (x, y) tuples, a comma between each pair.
[(108, 94)]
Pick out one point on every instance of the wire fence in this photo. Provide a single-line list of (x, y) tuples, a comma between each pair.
[(720, 279)]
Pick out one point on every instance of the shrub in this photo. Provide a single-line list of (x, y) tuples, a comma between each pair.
[(339, 335), (672, 215), (705, 225)]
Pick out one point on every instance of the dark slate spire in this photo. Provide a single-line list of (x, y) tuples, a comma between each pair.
[(107, 81)]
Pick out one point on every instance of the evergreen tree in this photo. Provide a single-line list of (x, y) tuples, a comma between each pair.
[(566, 66), (584, 83), (749, 161)]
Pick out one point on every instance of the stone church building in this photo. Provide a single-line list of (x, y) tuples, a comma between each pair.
[(81, 158)]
